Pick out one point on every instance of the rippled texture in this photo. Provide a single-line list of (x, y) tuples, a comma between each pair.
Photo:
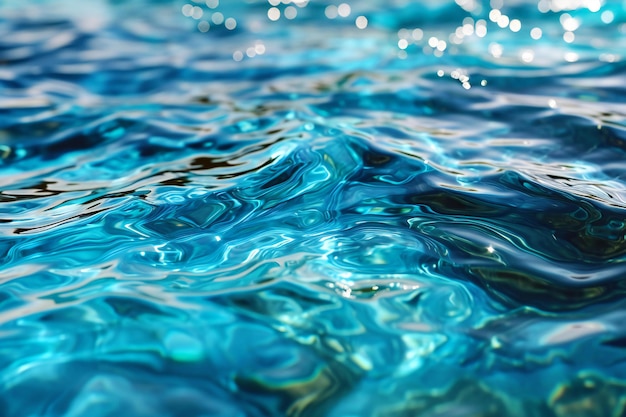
[(311, 214)]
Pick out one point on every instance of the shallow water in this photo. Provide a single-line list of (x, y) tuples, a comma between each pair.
[(303, 209)]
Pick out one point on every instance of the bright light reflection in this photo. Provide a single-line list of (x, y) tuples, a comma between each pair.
[(361, 22), (273, 14), (344, 10)]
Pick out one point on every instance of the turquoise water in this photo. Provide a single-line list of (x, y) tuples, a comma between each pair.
[(381, 208)]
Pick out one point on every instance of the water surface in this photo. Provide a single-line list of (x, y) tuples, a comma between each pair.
[(381, 208)]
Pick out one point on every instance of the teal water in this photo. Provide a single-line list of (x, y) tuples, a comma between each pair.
[(306, 208)]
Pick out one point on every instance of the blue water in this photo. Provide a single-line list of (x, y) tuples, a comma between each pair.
[(383, 208)]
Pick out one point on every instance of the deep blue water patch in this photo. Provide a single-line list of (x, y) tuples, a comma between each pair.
[(312, 208)]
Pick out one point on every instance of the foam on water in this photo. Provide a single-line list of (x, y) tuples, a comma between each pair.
[(377, 208)]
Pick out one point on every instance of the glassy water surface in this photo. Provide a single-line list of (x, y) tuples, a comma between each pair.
[(312, 208)]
